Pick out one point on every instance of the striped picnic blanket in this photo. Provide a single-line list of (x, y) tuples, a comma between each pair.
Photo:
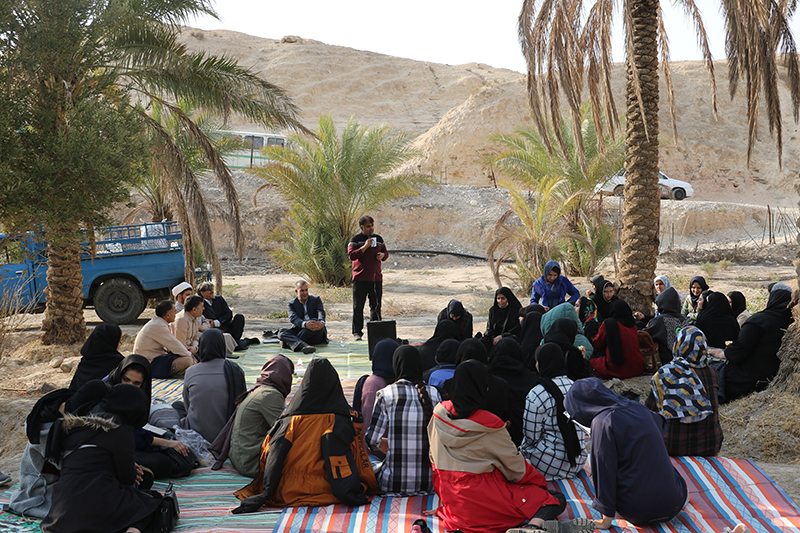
[(723, 492)]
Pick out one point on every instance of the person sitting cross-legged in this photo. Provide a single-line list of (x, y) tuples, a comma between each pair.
[(307, 316), (167, 355)]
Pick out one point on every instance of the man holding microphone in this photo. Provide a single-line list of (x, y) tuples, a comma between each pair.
[(366, 250)]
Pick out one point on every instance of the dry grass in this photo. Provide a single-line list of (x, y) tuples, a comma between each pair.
[(736, 254), (763, 426)]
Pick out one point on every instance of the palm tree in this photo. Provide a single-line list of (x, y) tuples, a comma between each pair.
[(531, 230), (566, 51), (164, 188), (526, 158), (60, 55), (331, 181)]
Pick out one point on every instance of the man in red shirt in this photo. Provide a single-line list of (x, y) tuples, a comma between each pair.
[(366, 250)]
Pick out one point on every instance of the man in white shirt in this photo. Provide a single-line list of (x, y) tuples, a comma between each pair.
[(167, 355)]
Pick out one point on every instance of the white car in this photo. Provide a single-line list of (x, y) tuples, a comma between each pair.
[(670, 188)]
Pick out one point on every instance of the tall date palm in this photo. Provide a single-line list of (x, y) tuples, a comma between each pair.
[(84, 72), (567, 47)]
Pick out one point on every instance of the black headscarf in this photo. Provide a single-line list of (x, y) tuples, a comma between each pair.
[(99, 355), (382, 357), (470, 388), (472, 349), (505, 362), (738, 302), (603, 305), (776, 317), (703, 285), (717, 320), (530, 337), (46, 408), (551, 364), (455, 308), (446, 353), (407, 363), (445, 329), (133, 362), (87, 397), (562, 332), (598, 282), (621, 314), (319, 392), (128, 403), (550, 360), (504, 319)]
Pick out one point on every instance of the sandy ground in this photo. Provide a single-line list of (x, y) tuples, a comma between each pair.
[(415, 290)]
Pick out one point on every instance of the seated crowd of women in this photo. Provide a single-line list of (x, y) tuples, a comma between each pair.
[(484, 422)]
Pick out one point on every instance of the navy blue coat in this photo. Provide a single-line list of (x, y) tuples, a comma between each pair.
[(297, 315)]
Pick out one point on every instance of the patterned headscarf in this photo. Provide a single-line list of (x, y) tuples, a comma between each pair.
[(678, 389)]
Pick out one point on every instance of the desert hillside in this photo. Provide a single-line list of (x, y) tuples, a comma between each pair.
[(454, 108)]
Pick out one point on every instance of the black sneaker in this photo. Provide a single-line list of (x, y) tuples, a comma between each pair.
[(5, 479), (269, 334), (252, 341), (307, 349), (358, 337)]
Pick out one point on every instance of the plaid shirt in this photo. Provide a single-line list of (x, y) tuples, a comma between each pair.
[(698, 438), (398, 415), (542, 443)]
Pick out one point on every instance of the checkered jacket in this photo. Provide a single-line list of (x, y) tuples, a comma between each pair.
[(398, 416), (542, 443)]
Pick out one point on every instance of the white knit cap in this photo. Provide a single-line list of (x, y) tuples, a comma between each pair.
[(179, 288)]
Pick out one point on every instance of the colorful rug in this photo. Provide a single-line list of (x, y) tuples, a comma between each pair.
[(351, 361), (11, 523), (382, 515), (723, 493)]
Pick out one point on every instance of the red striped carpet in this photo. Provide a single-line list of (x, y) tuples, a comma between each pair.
[(723, 492)]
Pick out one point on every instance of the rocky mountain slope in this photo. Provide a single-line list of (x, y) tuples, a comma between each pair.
[(454, 108)]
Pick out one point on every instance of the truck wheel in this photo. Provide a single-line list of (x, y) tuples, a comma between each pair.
[(619, 190), (678, 194), (119, 301)]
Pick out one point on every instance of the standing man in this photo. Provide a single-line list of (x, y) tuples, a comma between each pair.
[(307, 315), (366, 250)]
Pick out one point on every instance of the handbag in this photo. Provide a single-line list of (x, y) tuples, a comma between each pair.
[(649, 350), (167, 513), (181, 465)]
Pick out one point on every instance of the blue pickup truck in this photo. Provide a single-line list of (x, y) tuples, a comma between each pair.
[(131, 265)]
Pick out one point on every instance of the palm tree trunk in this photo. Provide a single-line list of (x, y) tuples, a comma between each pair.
[(640, 216), (63, 321)]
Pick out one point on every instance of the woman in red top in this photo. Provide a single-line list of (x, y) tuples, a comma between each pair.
[(616, 345), (483, 483)]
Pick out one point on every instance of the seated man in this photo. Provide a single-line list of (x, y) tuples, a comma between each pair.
[(167, 355), (308, 318), (186, 324), (220, 316), (180, 292)]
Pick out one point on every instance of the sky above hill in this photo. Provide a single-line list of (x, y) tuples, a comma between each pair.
[(441, 31)]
